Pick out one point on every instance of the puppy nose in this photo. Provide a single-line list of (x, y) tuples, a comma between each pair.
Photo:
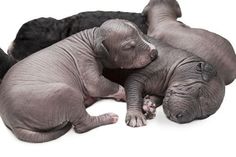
[(153, 54)]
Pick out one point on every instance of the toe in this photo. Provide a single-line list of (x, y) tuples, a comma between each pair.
[(132, 122), (109, 118)]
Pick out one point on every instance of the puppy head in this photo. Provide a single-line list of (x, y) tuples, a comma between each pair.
[(197, 93), (124, 44), (170, 5)]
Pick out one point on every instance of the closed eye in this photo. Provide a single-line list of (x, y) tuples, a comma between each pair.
[(129, 45)]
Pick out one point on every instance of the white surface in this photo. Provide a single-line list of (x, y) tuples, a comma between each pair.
[(215, 136)]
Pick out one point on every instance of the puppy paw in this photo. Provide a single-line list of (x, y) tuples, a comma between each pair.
[(120, 94), (135, 119), (149, 108), (108, 118), (92, 122)]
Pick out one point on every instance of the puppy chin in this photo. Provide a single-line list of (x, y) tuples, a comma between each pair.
[(143, 63)]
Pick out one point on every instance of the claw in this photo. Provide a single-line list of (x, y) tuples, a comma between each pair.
[(135, 119)]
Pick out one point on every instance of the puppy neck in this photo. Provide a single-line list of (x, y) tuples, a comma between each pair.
[(159, 17)]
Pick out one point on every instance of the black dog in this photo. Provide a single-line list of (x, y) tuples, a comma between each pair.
[(43, 32)]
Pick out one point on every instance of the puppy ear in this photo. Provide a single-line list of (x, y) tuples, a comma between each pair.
[(100, 36), (178, 10), (207, 70)]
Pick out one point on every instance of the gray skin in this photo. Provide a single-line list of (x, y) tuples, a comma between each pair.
[(161, 18), (44, 95), (192, 88)]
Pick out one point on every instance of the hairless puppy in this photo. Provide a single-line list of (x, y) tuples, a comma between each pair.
[(191, 87), (161, 18), (45, 94)]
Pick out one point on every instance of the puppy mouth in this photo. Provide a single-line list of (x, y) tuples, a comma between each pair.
[(179, 118), (145, 61), (139, 63)]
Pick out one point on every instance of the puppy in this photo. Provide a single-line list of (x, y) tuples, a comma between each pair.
[(161, 18), (190, 86), (45, 94)]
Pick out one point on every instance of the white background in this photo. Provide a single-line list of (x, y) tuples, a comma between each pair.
[(215, 136)]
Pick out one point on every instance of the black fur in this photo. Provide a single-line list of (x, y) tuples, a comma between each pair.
[(43, 32), (5, 63)]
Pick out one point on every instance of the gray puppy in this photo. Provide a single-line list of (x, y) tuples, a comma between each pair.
[(44, 95), (161, 18), (191, 87)]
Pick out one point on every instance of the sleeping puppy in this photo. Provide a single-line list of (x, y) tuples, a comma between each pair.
[(43, 32), (45, 94), (161, 18)]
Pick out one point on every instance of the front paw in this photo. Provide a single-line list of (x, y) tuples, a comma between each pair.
[(149, 108), (135, 119)]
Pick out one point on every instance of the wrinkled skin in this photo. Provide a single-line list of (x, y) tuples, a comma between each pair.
[(161, 19), (192, 88), (44, 95)]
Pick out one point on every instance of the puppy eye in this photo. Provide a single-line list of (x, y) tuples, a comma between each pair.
[(130, 45)]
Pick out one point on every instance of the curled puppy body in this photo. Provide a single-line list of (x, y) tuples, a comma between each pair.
[(45, 94), (161, 19), (43, 32), (191, 87)]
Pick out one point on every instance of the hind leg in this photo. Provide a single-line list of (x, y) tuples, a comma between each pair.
[(91, 122), (84, 122), (72, 103), (45, 110)]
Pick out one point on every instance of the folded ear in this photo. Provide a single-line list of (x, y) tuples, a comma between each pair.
[(207, 70), (100, 36), (178, 10)]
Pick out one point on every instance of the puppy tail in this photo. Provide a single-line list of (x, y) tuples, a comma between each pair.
[(40, 136), (6, 62)]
